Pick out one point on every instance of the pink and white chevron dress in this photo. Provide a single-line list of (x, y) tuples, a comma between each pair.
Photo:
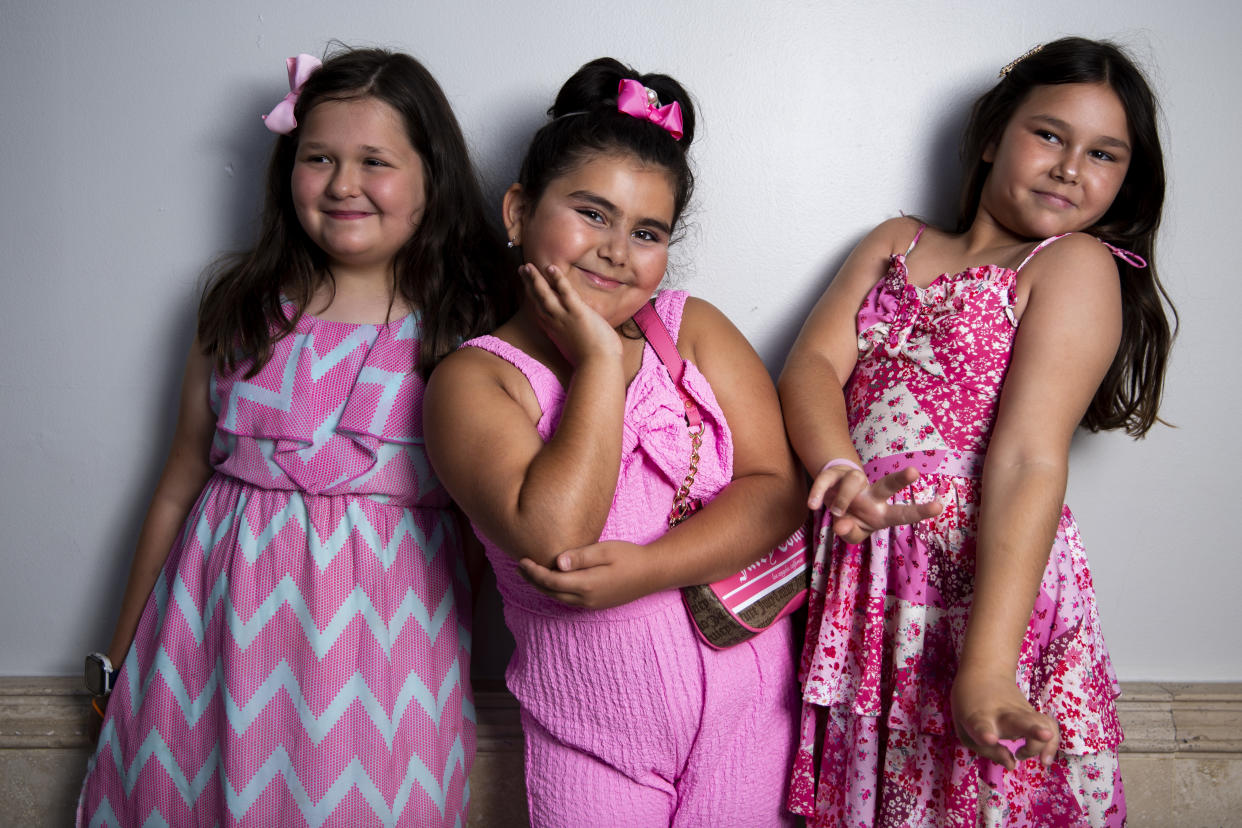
[(303, 658)]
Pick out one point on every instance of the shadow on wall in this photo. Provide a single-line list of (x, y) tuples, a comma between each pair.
[(249, 147), (936, 202), (163, 392), (247, 150)]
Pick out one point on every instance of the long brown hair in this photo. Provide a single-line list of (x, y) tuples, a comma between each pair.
[(450, 270), (1129, 396)]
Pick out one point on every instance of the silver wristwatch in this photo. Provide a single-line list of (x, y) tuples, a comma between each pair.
[(99, 674)]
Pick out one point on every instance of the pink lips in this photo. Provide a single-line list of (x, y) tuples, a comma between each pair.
[(1054, 200), (599, 281), (346, 215)]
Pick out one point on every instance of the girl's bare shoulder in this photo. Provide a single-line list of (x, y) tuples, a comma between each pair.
[(471, 377), (703, 326), (895, 235), (1077, 258)]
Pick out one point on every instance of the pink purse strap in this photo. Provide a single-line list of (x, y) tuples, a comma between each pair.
[(661, 341)]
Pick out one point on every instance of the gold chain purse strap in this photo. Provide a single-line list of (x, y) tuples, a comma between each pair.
[(661, 342), (731, 610), (683, 506)]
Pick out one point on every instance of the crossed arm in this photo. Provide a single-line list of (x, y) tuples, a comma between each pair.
[(546, 503)]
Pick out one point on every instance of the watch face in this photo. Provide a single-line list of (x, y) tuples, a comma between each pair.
[(97, 678)]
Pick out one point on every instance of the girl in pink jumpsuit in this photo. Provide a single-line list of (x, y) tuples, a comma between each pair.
[(564, 440)]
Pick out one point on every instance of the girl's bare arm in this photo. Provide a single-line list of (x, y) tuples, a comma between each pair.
[(818, 366), (185, 473), (1068, 335), (533, 499)]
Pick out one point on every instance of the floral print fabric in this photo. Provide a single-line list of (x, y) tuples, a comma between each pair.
[(887, 617)]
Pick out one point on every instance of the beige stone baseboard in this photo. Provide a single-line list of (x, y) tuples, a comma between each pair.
[(1182, 760)]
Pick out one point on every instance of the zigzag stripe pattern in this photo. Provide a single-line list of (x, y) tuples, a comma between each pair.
[(317, 727), (302, 658), (364, 397), (281, 399), (325, 429), (390, 383), (286, 597), (278, 766)]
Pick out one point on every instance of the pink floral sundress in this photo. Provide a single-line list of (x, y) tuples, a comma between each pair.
[(887, 617)]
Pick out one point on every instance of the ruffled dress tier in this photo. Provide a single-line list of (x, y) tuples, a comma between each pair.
[(887, 617), (304, 656)]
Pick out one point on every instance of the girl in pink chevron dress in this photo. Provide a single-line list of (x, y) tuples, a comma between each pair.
[(954, 672), (294, 639), (564, 440)]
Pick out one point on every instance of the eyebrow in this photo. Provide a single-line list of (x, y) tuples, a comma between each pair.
[(365, 148), (608, 206), (1106, 140)]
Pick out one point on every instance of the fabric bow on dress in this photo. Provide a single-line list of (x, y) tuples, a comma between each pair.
[(887, 318)]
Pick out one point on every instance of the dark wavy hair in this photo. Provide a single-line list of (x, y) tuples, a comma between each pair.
[(585, 122), (1129, 396), (449, 270)]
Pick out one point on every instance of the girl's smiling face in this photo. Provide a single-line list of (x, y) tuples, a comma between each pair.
[(606, 225), (358, 184), (1059, 162)]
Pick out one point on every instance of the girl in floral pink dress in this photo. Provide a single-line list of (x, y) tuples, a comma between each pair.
[(294, 641), (954, 671)]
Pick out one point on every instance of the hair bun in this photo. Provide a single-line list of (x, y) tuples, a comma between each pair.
[(586, 121), (593, 88)]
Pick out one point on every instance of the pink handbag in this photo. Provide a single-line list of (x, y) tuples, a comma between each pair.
[(737, 608)]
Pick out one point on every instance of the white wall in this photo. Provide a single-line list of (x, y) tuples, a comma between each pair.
[(131, 152)]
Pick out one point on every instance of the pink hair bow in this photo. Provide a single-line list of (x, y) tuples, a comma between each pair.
[(637, 100), (280, 119)]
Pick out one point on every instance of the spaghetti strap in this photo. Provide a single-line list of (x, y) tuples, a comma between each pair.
[(918, 235), (1132, 259), (1037, 248)]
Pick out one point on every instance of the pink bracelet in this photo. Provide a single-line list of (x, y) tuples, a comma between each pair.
[(840, 461)]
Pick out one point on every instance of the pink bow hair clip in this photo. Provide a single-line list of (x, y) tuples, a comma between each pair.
[(280, 120), (637, 100)]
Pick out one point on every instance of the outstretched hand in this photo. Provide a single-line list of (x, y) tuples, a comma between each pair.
[(569, 322), (860, 508), (604, 574), (992, 718)]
